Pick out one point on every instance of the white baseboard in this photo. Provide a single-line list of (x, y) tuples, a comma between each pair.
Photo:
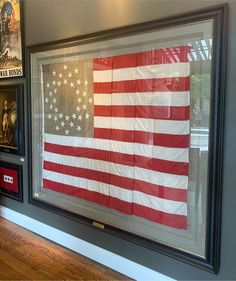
[(100, 255)]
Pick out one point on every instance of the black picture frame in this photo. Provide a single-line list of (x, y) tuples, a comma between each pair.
[(11, 174), (12, 52), (12, 135), (218, 14)]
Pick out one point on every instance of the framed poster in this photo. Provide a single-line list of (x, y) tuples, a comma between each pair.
[(11, 51), (126, 129), (11, 181), (11, 121)]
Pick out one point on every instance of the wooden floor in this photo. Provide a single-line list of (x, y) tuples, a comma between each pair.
[(27, 256)]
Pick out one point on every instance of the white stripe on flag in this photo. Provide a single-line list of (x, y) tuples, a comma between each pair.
[(159, 152), (141, 124), (164, 179), (168, 206), (164, 205), (158, 178), (142, 99), (96, 186), (142, 72)]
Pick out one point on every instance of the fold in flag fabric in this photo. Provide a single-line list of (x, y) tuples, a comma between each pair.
[(116, 132)]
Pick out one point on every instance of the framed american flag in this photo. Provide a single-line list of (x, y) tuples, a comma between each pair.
[(126, 128)]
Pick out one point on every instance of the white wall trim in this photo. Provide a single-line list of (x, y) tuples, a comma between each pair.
[(100, 255)]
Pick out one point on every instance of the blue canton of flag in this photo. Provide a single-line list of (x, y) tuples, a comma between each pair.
[(68, 98)]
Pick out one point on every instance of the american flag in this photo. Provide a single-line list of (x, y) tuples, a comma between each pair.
[(116, 132)]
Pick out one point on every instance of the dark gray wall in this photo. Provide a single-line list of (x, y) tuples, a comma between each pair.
[(56, 19)]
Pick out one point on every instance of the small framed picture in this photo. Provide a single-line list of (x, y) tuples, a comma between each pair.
[(11, 120), (11, 181), (11, 39)]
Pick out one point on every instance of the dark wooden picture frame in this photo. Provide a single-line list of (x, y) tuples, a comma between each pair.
[(218, 16), (12, 39), (12, 119), (11, 181)]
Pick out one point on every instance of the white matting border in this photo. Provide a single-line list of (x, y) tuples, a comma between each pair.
[(98, 254)]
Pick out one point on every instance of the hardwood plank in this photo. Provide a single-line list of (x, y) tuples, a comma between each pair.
[(18, 268), (28, 256)]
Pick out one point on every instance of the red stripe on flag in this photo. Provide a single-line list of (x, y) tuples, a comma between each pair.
[(180, 141), (81, 193), (120, 205), (164, 192), (151, 112), (164, 56), (124, 61), (102, 63), (173, 220), (164, 166), (84, 152), (173, 84), (159, 56), (175, 194)]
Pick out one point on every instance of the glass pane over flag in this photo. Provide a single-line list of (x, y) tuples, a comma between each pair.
[(124, 132)]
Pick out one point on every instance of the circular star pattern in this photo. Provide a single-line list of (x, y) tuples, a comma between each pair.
[(66, 79)]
